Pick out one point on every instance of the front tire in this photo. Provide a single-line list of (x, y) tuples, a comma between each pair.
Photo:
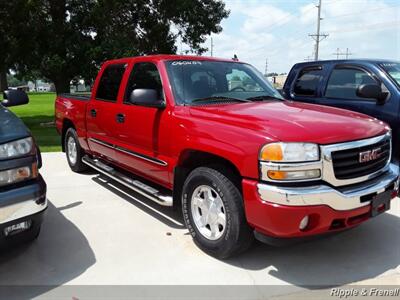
[(214, 214), (74, 151)]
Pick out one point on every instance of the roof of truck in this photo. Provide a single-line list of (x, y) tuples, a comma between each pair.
[(357, 60), (174, 57)]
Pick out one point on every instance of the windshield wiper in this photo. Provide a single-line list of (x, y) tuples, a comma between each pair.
[(264, 97), (218, 98)]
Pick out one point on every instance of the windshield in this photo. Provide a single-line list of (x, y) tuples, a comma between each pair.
[(393, 70), (195, 80)]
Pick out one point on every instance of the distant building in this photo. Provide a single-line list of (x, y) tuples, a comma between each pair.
[(39, 86), (278, 81)]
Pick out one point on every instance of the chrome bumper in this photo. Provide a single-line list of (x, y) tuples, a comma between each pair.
[(22, 202), (343, 198)]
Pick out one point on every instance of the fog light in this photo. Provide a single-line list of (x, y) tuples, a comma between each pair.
[(17, 228), (304, 223)]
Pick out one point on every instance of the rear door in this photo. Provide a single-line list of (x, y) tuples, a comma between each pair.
[(143, 132), (101, 111)]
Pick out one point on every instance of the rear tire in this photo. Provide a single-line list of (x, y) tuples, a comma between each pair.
[(214, 213), (74, 151)]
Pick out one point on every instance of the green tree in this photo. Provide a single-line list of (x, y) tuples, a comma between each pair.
[(14, 36), (73, 37)]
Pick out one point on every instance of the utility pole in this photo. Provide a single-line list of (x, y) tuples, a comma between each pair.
[(338, 53), (348, 53), (318, 37), (212, 47), (266, 67), (308, 58)]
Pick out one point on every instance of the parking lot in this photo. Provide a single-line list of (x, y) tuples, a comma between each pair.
[(97, 232)]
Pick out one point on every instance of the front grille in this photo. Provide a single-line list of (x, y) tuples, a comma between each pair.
[(347, 165)]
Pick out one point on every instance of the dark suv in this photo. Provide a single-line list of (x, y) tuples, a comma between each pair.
[(368, 86), (22, 189)]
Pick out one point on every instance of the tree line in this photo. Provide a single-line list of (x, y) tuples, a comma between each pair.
[(65, 40)]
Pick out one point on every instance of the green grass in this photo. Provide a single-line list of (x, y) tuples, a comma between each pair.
[(37, 115)]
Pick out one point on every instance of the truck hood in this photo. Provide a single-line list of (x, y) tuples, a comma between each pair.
[(11, 127), (294, 121)]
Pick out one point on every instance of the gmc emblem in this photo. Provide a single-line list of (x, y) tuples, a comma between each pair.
[(367, 156)]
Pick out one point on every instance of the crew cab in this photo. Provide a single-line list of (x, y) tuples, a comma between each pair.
[(22, 189), (213, 137), (369, 86)]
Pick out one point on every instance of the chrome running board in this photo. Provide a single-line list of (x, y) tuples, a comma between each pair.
[(134, 184)]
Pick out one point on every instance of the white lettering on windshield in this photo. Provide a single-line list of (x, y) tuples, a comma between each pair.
[(185, 62)]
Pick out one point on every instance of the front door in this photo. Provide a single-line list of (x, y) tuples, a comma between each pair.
[(143, 133)]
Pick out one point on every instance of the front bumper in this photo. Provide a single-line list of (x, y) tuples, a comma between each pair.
[(27, 201), (277, 211)]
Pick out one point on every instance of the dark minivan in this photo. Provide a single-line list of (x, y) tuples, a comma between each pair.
[(368, 86), (22, 189)]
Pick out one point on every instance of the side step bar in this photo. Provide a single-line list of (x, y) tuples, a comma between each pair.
[(134, 184)]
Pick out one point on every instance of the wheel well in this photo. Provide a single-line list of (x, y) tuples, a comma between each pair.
[(66, 125), (192, 159)]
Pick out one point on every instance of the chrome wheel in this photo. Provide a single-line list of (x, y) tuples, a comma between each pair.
[(72, 151), (208, 212)]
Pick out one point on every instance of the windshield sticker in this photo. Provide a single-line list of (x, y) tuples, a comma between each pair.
[(185, 62)]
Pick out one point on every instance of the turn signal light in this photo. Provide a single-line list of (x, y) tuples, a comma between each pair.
[(271, 152), (277, 175)]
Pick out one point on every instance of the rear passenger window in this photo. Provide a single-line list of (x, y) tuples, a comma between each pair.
[(343, 83), (307, 82), (110, 82)]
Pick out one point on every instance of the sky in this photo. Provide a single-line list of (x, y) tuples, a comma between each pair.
[(277, 31)]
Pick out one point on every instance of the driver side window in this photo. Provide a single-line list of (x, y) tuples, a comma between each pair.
[(344, 81), (144, 76)]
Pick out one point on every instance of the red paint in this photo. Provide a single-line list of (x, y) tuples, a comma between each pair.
[(235, 132), (283, 221)]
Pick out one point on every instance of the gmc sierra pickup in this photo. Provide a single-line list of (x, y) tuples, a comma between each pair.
[(214, 137), (22, 189)]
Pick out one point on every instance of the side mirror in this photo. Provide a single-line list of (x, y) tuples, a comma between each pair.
[(372, 91), (146, 97), (14, 98)]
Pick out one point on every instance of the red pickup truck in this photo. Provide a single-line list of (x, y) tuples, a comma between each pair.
[(214, 137)]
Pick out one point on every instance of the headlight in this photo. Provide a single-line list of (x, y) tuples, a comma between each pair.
[(289, 152), (17, 148), (18, 174)]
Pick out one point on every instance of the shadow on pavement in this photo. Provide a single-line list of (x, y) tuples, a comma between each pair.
[(60, 254), (167, 215), (362, 253)]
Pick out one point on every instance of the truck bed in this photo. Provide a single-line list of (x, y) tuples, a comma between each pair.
[(80, 96)]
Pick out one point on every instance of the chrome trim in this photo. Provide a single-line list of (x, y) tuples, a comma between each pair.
[(22, 209), (339, 199), (289, 167), (162, 200), (328, 173), (126, 151), (150, 159), (101, 143), (325, 163)]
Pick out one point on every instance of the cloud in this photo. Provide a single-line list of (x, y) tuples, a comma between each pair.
[(278, 30)]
